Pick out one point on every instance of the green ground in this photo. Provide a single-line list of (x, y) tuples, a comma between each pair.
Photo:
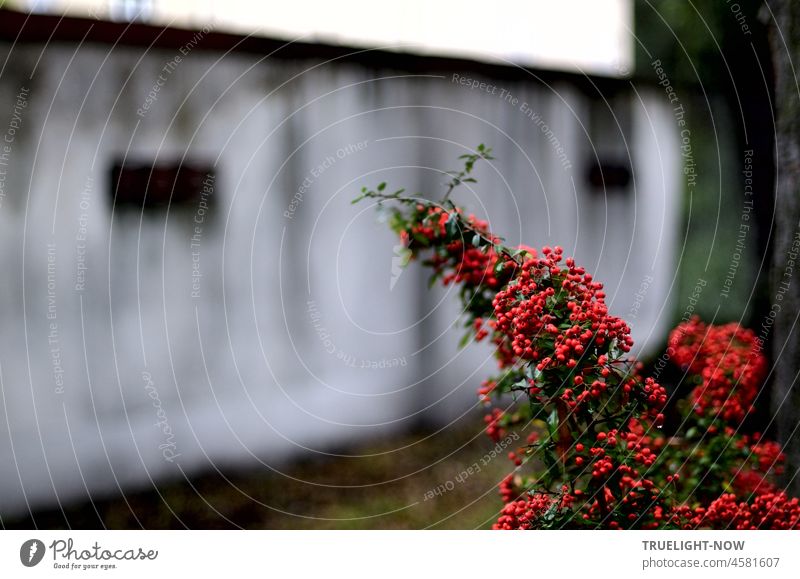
[(262, 499)]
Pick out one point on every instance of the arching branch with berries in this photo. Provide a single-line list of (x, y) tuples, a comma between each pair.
[(595, 455)]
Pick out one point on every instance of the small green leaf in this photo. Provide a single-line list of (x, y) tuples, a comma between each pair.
[(529, 371), (551, 512), (381, 186), (613, 350), (451, 227), (421, 239), (549, 460), (520, 385), (552, 422)]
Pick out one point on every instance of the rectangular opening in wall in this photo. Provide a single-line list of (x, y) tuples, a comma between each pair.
[(157, 186)]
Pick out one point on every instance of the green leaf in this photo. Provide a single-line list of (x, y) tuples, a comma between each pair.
[(552, 422), (451, 227), (405, 256), (613, 350), (551, 512), (418, 237), (520, 385), (550, 461), (464, 340), (381, 186), (533, 373)]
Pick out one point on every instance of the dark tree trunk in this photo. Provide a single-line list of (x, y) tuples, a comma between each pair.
[(785, 276)]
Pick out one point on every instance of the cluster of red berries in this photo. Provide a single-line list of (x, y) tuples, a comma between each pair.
[(428, 225), (554, 334), (456, 258), (768, 510), (527, 512), (620, 496), (639, 506), (655, 397), (472, 266), (524, 513), (485, 391), (728, 363), (555, 315), (768, 453), (509, 489), (641, 434), (768, 458), (494, 424), (480, 328)]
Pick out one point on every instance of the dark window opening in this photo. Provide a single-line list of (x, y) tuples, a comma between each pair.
[(158, 186), (608, 174)]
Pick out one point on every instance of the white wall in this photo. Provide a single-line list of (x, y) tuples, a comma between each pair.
[(241, 374), (576, 35)]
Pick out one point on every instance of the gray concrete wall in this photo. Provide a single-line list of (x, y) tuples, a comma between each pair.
[(294, 339)]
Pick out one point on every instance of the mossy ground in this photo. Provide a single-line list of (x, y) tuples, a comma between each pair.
[(382, 488)]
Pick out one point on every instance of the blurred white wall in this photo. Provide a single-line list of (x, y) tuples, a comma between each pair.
[(592, 36), (297, 340)]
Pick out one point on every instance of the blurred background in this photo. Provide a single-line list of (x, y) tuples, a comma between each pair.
[(199, 329)]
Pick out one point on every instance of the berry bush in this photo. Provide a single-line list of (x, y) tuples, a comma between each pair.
[(595, 452)]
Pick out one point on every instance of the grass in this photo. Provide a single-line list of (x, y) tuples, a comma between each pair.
[(384, 488)]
